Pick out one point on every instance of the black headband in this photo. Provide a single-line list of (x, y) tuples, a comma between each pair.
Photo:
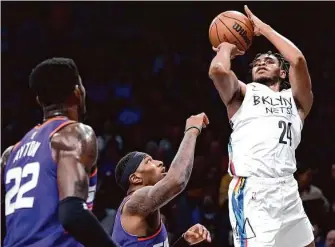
[(131, 166)]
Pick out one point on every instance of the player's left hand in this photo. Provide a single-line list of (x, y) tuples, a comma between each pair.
[(256, 22), (197, 234)]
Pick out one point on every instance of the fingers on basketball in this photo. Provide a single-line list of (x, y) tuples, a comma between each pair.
[(248, 11), (216, 49)]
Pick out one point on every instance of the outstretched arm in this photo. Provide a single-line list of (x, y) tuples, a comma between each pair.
[(74, 149), (220, 72), (224, 78), (150, 198), (230, 89), (298, 75)]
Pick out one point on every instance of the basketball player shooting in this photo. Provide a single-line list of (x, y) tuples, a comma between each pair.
[(49, 177), (149, 187), (267, 117)]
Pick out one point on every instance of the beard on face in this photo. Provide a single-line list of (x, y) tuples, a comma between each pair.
[(267, 80)]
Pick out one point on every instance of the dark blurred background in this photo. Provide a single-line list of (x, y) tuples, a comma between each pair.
[(145, 68)]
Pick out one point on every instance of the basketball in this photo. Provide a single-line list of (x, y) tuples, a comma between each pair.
[(232, 27)]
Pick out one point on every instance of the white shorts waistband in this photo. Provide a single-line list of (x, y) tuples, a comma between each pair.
[(267, 181)]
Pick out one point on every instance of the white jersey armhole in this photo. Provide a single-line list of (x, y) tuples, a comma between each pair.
[(238, 112), (295, 105)]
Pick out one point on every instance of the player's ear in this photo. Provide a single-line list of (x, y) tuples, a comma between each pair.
[(77, 92), (282, 74), (76, 96), (134, 179)]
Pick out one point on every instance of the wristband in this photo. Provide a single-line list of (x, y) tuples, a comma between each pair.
[(193, 127)]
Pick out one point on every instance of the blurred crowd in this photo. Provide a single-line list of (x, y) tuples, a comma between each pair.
[(145, 69)]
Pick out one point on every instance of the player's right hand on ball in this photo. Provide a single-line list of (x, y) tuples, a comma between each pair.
[(196, 123), (228, 46)]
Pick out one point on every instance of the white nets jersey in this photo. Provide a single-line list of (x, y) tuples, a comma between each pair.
[(266, 132)]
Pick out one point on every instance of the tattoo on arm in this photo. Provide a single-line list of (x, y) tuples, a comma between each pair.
[(182, 164), (80, 188), (151, 198)]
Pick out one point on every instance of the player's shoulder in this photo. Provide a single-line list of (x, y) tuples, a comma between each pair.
[(133, 203), (7, 151), (76, 139), (5, 155), (73, 133), (76, 129)]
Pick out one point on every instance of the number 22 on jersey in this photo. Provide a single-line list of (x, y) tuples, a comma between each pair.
[(15, 176)]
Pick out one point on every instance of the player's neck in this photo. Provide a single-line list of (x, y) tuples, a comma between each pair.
[(272, 83), (133, 188), (274, 86), (60, 110)]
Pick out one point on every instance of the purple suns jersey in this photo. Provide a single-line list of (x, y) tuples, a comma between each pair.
[(125, 239), (31, 201)]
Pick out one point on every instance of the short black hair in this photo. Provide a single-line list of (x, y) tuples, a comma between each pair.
[(127, 165), (284, 65), (54, 80)]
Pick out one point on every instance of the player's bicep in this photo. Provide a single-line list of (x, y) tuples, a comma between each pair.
[(72, 178), (75, 151), (227, 85), (301, 85), (150, 198)]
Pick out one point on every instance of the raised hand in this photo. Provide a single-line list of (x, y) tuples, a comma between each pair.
[(234, 51), (256, 22), (197, 123)]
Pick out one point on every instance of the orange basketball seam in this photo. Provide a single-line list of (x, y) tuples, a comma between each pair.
[(217, 33), (227, 39), (210, 29), (245, 48)]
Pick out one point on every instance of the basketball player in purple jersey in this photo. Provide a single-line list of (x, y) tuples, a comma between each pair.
[(49, 177), (138, 221)]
